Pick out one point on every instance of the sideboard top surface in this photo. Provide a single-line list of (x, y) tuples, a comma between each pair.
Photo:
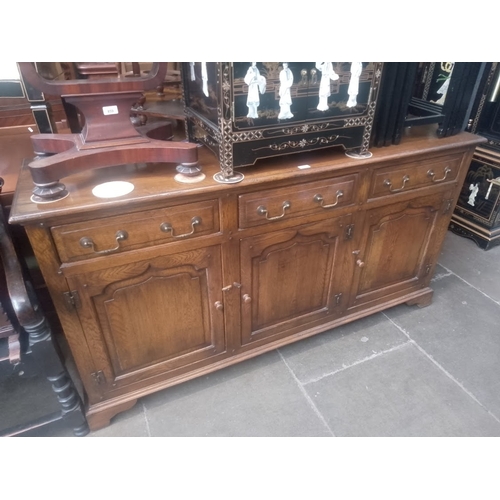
[(155, 183)]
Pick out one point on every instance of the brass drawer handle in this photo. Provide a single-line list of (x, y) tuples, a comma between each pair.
[(319, 199), (167, 227), (431, 174), (262, 210), (86, 242), (388, 183)]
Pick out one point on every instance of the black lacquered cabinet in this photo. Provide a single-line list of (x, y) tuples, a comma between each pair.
[(477, 213), (245, 111)]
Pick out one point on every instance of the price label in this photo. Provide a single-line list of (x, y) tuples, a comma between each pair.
[(110, 110)]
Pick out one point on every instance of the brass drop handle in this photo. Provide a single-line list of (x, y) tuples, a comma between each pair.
[(166, 227), (246, 298), (388, 183), (431, 174), (262, 210), (219, 305), (86, 242), (319, 199)]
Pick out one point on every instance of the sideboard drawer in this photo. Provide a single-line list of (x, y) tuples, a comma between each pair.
[(295, 201), (392, 180), (98, 237)]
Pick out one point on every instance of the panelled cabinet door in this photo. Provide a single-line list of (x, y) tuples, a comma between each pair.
[(153, 316), (397, 253), (293, 278)]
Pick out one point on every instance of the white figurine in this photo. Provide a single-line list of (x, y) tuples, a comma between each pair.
[(446, 67), (204, 77), (327, 74), (286, 81), (256, 83), (474, 188), (442, 90), (356, 69), (492, 181)]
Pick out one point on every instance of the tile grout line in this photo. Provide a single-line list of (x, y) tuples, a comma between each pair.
[(368, 358), (469, 284), (449, 375), (307, 397), (438, 276), (144, 411)]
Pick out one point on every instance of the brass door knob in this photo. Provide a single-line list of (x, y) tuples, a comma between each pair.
[(360, 263), (219, 305), (247, 298)]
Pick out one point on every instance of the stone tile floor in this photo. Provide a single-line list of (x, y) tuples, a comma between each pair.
[(402, 372)]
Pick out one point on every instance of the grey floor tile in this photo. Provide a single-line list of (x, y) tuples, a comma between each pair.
[(25, 395), (460, 330), (478, 267), (399, 393), (343, 346), (56, 429), (130, 423), (259, 397)]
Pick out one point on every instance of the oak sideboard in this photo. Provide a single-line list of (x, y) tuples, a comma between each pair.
[(173, 280)]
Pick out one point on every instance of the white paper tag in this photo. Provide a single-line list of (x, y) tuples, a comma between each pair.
[(302, 167), (112, 189), (110, 110)]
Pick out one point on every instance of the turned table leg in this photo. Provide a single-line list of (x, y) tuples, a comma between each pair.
[(44, 353)]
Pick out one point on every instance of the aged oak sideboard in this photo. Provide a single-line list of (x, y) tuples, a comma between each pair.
[(173, 281)]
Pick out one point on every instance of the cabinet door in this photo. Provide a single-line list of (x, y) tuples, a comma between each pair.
[(293, 278), (397, 253), (151, 317)]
